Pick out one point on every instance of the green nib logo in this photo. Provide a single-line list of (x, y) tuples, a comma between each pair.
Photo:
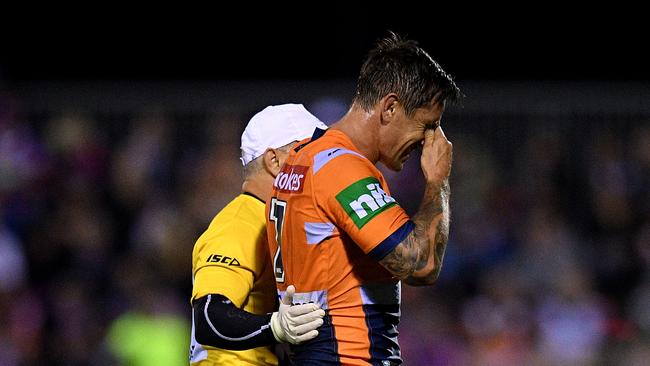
[(364, 200)]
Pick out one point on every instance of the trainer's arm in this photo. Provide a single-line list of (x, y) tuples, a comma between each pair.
[(418, 258), (219, 323)]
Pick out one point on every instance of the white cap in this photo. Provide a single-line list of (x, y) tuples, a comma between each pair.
[(276, 126)]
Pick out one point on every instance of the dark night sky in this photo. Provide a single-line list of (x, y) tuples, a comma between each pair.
[(490, 48)]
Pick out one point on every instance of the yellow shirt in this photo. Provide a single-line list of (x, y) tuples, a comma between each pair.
[(231, 258)]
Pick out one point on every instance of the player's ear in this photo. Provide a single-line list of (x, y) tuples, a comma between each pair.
[(271, 160), (388, 105)]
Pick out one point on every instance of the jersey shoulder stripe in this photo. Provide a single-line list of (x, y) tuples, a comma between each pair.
[(325, 156)]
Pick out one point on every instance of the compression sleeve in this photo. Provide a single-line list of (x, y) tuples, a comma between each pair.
[(219, 323)]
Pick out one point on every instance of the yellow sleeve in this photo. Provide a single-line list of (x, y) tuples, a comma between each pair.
[(224, 261)]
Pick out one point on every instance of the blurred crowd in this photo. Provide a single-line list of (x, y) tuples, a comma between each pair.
[(547, 264)]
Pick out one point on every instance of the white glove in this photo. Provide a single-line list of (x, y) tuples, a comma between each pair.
[(296, 323)]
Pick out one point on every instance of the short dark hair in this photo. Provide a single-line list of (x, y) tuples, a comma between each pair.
[(400, 66)]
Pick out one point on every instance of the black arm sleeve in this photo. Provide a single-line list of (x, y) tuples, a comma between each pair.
[(219, 323)]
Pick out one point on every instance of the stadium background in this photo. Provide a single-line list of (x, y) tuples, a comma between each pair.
[(116, 153)]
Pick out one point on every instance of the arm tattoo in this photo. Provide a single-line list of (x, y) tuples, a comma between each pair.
[(428, 238), (442, 235), (401, 260)]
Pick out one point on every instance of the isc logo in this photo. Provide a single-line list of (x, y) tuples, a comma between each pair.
[(218, 258)]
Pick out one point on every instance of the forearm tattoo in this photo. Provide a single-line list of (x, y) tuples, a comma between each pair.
[(402, 260), (430, 234)]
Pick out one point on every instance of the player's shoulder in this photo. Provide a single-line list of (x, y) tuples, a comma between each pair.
[(333, 151), (335, 158), (336, 170), (329, 161)]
